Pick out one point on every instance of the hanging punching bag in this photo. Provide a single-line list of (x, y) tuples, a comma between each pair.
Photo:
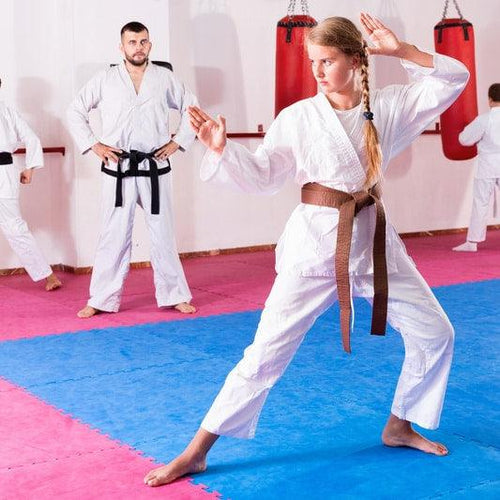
[(294, 78), (455, 38)]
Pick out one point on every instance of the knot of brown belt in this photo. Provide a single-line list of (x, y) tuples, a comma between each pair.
[(349, 205)]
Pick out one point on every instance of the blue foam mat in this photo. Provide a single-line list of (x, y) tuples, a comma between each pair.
[(150, 385)]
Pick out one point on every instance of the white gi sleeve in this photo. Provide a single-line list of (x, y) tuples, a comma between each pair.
[(474, 132), (179, 97), (418, 104), (262, 172), (26, 136), (77, 114)]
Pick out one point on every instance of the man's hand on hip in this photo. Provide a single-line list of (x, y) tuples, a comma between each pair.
[(167, 150), (106, 153)]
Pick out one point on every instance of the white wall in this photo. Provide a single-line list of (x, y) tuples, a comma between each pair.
[(230, 69), (224, 50)]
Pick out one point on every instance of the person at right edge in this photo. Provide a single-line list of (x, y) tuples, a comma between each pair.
[(484, 131), (336, 146)]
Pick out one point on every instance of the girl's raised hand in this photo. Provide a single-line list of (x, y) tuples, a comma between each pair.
[(384, 41), (211, 133)]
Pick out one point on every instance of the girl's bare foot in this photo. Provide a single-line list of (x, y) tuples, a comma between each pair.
[(52, 282), (177, 468), (87, 312), (185, 308), (191, 461), (399, 432)]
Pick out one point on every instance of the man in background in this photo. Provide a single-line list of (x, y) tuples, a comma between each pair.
[(485, 132), (134, 98)]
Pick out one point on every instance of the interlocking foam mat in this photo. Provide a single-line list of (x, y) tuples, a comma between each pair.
[(121, 391)]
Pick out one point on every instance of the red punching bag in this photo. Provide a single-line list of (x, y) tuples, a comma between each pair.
[(455, 38), (294, 78)]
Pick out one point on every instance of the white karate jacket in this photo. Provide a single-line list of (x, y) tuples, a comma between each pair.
[(16, 133), (484, 131), (308, 143), (130, 120)]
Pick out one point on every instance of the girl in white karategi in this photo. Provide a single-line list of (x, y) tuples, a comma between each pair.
[(329, 143), (14, 131), (485, 132)]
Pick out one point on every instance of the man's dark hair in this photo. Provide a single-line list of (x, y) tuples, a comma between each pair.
[(494, 92), (134, 26)]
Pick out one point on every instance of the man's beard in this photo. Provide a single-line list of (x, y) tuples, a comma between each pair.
[(135, 62)]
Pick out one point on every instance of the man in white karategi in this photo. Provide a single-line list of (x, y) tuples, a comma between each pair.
[(485, 132), (14, 131), (134, 98)]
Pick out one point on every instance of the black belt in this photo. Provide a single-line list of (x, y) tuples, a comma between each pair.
[(135, 158), (5, 158)]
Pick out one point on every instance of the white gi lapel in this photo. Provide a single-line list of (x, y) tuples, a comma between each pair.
[(352, 170), (144, 90), (127, 80)]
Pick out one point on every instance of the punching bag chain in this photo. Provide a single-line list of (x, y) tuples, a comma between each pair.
[(445, 10), (303, 4)]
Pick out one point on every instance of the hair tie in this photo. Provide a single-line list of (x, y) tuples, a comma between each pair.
[(368, 115)]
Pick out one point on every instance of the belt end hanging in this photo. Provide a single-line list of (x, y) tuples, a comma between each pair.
[(345, 328), (379, 315)]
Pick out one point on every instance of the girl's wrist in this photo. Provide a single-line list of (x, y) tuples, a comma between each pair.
[(405, 50)]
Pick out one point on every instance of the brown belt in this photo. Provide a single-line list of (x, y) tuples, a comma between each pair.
[(349, 204)]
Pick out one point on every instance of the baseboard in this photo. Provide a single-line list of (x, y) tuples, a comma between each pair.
[(438, 232), (223, 251)]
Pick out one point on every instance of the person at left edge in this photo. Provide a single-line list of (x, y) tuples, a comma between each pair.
[(14, 131), (134, 99)]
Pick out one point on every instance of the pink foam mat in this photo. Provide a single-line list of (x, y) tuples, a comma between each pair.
[(220, 284), (440, 265), (46, 455)]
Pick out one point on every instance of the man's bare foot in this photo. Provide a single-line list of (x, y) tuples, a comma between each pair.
[(185, 308), (87, 312), (399, 432), (177, 468), (52, 282)]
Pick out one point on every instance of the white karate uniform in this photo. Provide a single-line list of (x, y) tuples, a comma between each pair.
[(15, 132), (132, 121), (485, 132), (308, 141)]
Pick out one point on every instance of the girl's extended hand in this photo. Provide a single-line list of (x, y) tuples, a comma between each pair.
[(210, 132), (384, 41)]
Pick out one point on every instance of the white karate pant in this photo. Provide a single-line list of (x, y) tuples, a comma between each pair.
[(115, 245), (21, 240), (482, 192), (290, 311)]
